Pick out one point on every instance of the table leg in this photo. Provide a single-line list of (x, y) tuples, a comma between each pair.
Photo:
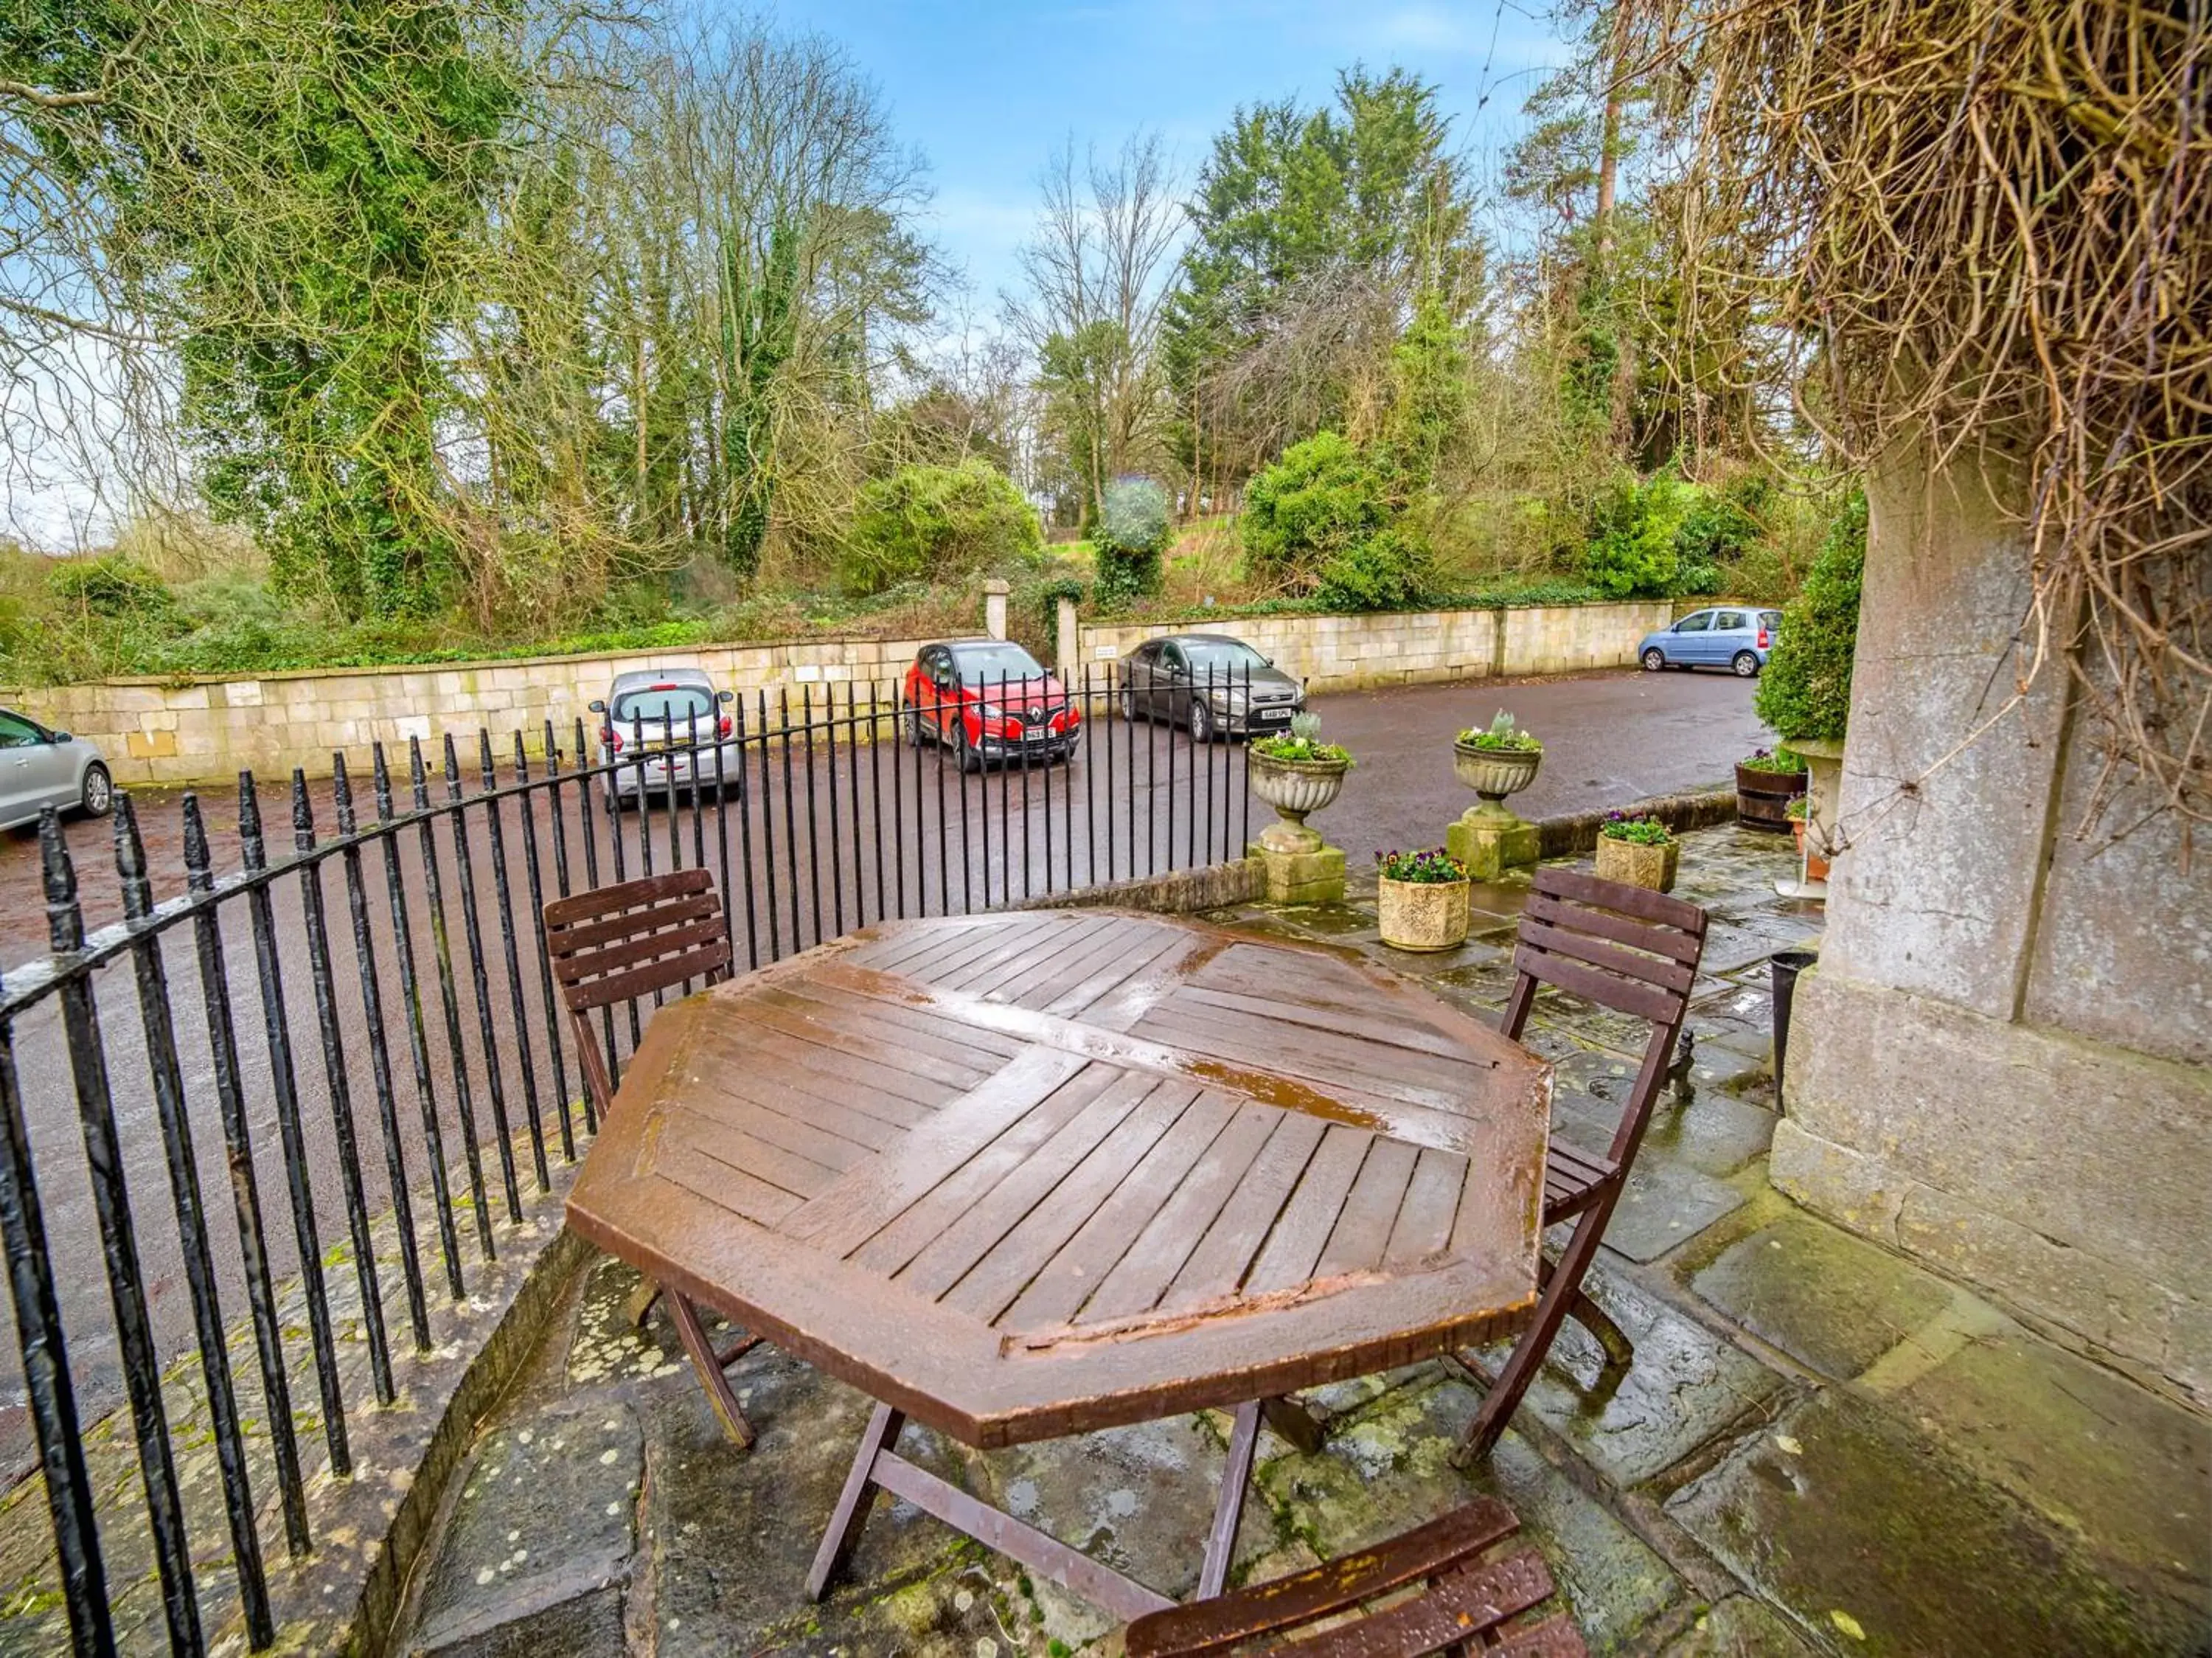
[(1299, 1428), (1229, 1505), (852, 1511)]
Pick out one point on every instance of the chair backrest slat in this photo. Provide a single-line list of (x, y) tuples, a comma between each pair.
[(626, 895), (697, 939), (1283, 1603), (615, 944), (1621, 995), (1662, 909), (597, 935), (1575, 946), (1677, 944)]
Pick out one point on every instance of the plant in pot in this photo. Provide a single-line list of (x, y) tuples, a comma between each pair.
[(1639, 851), (1421, 900), (1496, 760), (1296, 773), (1816, 867), (1766, 781)]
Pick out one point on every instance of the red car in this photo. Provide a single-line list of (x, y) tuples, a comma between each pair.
[(987, 699)]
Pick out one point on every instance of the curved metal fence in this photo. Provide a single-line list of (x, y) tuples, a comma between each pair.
[(317, 1084)]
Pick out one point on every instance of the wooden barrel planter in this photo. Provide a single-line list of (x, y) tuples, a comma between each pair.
[(1762, 798)]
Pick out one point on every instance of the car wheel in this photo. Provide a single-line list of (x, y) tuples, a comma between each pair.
[(1201, 720), (1128, 705), (1654, 659), (964, 749), (912, 727), (99, 798), (1745, 665)]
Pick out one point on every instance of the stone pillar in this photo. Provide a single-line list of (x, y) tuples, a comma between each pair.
[(2003, 1061), (995, 607), (1065, 640), (1490, 839)]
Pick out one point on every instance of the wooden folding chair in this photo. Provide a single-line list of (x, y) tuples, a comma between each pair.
[(1635, 952), (1461, 1601), (616, 945)]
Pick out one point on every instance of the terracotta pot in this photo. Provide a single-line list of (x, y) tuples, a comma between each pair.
[(1294, 788), (1816, 869), (1636, 864), (1422, 915), (1494, 773), (1762, 798)]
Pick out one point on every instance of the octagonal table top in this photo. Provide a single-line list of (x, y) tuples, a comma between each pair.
[(1029, 1174)]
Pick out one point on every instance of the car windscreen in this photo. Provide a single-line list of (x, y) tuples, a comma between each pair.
[(673, 703), (988, 664), (1217, 655)]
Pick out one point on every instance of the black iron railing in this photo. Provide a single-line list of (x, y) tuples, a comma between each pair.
[(818, 813)]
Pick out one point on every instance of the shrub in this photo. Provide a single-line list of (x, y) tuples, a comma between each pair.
[(1632, 550), (1130, 534), (938, 523), (1805, 692), (116, 588), (1389, 571), (1719, 526), (1321, 500)]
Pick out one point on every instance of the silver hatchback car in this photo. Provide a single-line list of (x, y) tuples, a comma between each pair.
[(652, 715), (41, 768)]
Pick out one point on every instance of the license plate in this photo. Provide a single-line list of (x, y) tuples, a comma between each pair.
[(1274, 713)]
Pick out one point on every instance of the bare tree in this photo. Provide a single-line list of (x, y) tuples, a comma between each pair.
[(1097, 274)]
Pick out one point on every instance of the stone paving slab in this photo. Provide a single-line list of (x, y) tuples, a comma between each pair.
[(1739, 1627), (538, 1550), (1831, 1301), (1858, 1521), (1685, 1387)]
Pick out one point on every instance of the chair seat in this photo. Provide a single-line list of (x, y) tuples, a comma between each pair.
[(1573, 1180)]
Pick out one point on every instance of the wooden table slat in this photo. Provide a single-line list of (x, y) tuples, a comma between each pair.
[(1362, 1228)]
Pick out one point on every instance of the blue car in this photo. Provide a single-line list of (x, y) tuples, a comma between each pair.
[(1731, 637)]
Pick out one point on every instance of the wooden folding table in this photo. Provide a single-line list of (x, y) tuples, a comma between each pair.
[(1032, 1174)]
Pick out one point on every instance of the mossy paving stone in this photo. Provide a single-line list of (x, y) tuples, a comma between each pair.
[(1868, 1533), (1739, 1627), (1685, 1387), (1820, 1295), (733, 1531), (1389, 1470), (1139, 1499), (2127, 1472), (538, 1550)]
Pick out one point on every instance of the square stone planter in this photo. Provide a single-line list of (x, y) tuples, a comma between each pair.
[(1422, 915), (1638, 865)]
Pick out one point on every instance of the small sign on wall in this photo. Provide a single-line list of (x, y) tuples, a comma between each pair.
[(1106, 653)]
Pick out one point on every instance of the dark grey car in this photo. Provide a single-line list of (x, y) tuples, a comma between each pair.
[(1209, 682)]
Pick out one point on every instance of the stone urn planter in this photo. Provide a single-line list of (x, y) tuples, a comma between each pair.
[(1488, 837), (1763, 795), (1294, 788), (1494, 773), (1417, 909), (1638, 864)]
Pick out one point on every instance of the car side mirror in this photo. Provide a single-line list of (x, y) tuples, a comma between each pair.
[(597, 707), (59, 736), (725, 696)]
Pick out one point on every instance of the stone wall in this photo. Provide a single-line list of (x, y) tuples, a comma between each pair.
[(154, 731), (2001, 1063), (1347, 653)]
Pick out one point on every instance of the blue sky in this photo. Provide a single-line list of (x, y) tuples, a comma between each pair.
[(986, 89)]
